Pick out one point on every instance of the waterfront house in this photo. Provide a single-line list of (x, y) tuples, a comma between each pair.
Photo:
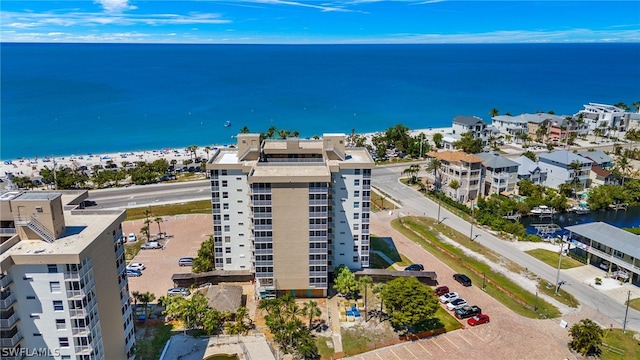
[(612, 249), (530, 170), (606, 117), (500, 174), (599, 157), (600, 176), (511, 125), (557, 164), (479, 128), (449, 141), (463, 167)]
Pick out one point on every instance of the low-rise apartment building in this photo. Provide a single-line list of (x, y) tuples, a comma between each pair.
[(465, 168), (291, 210), (557, 165), (63, 286), (603, 116), (500, 174)]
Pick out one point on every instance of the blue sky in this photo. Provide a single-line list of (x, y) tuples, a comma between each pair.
[(319, 21)]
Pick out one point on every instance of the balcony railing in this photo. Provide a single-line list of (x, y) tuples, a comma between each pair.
[(83, 349), (264, 263), (5, 281), (11, 341), (261, 203), (318, 214), (263, 251), (8, 322), (76, 293), (72, 275), (79, 331), (318, 251), (6, 302), (78, 313), (616, 260)]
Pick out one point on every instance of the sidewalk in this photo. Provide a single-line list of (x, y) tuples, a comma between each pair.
[(334, 323)]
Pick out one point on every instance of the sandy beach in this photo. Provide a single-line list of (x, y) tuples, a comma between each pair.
[(32, 167)]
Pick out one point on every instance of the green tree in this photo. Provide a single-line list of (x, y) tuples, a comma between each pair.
[(244, 130), (437, 140), (530, 155), (624, 166), (412, 171), (345, 282), (576, 167), (205, 261), (409, 302), (469, 144), (586, 337), (378, 289), (435, 166), (158, 220), (494, 112), (454, 184)]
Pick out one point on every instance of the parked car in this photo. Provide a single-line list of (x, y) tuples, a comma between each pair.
[(185, 261), (441, 290), (449, 297), (478, 319), (467, 312), (150, 245), (132, 237), (178, 291), (88, 203), (456, 304), (462, 279), (136, 266), (134, 273), (414, 267)]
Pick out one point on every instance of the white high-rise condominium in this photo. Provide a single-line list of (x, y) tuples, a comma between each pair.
[(63, 287)]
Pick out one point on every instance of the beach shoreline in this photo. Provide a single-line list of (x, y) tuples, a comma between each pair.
[(32, 167)]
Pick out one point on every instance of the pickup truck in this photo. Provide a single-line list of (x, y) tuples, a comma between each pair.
[(467, 312)]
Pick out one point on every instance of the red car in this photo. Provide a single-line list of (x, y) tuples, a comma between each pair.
[(441, 290), (478, 319)]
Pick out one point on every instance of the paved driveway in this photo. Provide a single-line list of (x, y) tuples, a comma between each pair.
[(186, 233)]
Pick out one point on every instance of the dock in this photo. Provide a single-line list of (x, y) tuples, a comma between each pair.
[(545, 229), (617, 207)]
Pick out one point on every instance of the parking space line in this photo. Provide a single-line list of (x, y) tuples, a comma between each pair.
[(462, 337), (438, 345), (425, 349), (378, 355), (407, 348), (452, 343), (394, 354), (474, 333)]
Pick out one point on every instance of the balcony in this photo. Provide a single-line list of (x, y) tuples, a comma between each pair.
[(75, 294), (12, 341), (72, 275), (83, 349), (615, 260), (78, 313), (7, 301), (318, 251), (5, 281), (261, 203), (80, 331), (264, 263), (320, 214), (10, 321)]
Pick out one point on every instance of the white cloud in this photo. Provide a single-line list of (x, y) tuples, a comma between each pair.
[(115, 6)]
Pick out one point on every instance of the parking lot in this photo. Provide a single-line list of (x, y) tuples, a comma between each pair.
[(185, 234)]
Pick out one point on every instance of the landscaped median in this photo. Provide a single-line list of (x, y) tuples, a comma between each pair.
[(497, 285)]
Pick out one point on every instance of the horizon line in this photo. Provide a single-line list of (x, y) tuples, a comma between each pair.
[(323, 43)]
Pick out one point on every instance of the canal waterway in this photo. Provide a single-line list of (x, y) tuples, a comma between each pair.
[(621, 218)]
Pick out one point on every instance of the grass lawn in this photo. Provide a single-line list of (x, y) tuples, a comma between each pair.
[(506, 291), (449, 321), (635, 304), (324, 349), (132, 249), (379, 202), (150, 345), (193, 207), (551, 258), (619, 346), (359, 339), (563, 296)]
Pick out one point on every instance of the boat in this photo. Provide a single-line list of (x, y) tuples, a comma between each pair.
[(227, 124), (580, 210), (542, 210)]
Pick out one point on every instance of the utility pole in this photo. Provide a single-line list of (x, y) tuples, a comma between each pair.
[(55, 179), (535, 305), (471, 232), (484, 281), (438, 208), (559, 262), (626, 312)]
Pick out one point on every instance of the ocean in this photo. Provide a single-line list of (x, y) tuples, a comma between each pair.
[(64, 99)]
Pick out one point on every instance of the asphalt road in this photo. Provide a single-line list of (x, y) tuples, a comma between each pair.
[(413, 203), (386, 179)]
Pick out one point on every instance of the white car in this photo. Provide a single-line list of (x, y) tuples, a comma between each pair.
[(456, 304), (449, 297), (136, 266), (132, 237)]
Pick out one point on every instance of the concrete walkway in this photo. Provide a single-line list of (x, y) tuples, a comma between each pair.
[(334, 323)]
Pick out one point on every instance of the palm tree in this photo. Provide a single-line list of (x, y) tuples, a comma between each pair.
[(244, 130), (271, 131), (623, 165), (412, 172), (158, 220), (311, 310), (435, 165), (494, 112), (455, 185), (207, 149), (145, 299), (135, 295), (637, 106), (378, 289), (365, 281), (576, 166)]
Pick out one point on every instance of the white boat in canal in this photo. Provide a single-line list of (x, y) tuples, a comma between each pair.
[(542, 210)]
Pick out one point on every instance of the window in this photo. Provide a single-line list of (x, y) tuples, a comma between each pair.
[(226, 217), (53, 268), (225, 206), (356, 226), (355, 248), (64, 341), (54, 286), (357, 171), (228, 260), (224, 183), (31, 297), (227, 250), (239, 190), (227, 228), (356, 205), (225, 195), (57, 305), (355, 259), (356, 182), (356, 194), (356, 216), (227, 239), (61, 324)]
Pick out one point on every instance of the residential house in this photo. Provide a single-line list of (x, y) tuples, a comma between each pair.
[(449, 141), (557, 164), (599, 157), (480, 129), (605, 117), (458, 165), (500, 174), (290, 211), (600, 176), (530, 170), (512, 126)]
